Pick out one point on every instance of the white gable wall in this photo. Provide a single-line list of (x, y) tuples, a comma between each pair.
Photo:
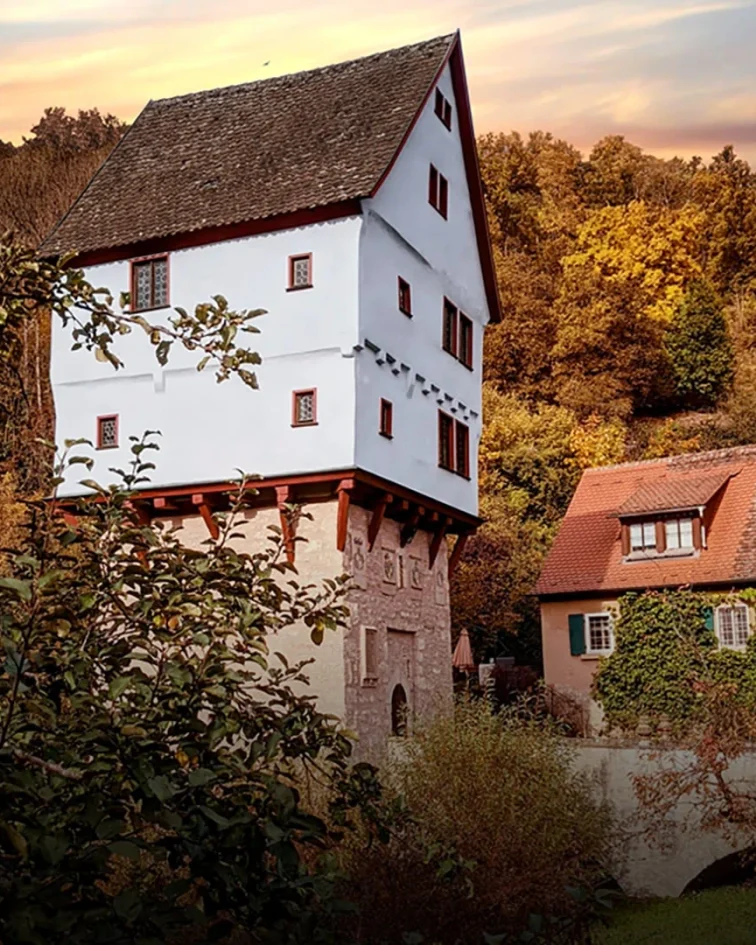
[(209, 430), (403, 235)]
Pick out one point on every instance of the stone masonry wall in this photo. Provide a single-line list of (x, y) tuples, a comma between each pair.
[(394, 593), (406, 603)]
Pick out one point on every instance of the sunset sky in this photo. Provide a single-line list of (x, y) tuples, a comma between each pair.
[(675, 76)]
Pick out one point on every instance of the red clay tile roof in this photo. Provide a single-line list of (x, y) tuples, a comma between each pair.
[(253, 151), (587, 554), (671, 495)]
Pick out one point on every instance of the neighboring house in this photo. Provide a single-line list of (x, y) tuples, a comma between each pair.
[(347, 202), (685, 521)]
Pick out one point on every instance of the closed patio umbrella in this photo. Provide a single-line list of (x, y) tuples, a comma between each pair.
[(463, 658)]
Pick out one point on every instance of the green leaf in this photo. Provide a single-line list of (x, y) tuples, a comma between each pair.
[(21, 588), (161, 788), (201, 776), (118, 686), (125, 848), (128, 904)]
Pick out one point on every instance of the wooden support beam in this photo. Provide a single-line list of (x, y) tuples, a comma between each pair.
[(164, 505), (283, 498), (342, 516), (438, 536), (140, 510), (376, 519), (459, 547), (410, 526), (203, 507)]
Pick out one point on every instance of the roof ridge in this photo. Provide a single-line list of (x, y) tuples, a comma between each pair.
[(747, 449), (447, 38)]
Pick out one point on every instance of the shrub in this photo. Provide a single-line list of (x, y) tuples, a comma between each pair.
[(499, 826)]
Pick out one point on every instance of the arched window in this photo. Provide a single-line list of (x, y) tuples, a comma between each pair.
[(399, 711)]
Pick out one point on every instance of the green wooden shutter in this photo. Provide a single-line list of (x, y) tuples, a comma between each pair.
[(709, 617), (577, 634)]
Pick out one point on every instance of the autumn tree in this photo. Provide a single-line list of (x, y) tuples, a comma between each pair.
[(699, 348)]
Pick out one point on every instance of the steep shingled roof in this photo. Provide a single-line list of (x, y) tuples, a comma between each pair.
[(587, 554), (253, 151)]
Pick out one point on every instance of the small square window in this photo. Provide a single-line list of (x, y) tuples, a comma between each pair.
[(300, 272), (438, 191), (405, 297), (107, 432), (443, 109), (732, 626), (599, 633), (304, 408), (386, 423), (149, 284)]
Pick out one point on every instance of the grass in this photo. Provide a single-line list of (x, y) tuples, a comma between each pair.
[(724, 916)]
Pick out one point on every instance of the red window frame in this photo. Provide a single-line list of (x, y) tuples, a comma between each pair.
[(386, 419), (295, 395), (100, 421), (465, 346), (445, 441), (438, 191), (295, 259), (134, 264), (449, 328), (405, 297), (443, 109), (461, 449)]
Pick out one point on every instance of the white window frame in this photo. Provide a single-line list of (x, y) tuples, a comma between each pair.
[(677, 522), (643, 548), (587, 630), (717, 631)]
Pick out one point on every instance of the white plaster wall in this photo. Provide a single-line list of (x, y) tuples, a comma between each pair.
[(402, 235), (208, 429)]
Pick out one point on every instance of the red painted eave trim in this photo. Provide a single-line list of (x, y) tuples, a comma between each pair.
[(474, 183), (217, 234)]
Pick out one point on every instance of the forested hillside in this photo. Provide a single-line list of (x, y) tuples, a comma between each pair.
[(628, 286)]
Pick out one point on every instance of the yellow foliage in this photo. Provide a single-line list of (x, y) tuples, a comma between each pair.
[(598, 442), (12, 513), (654, 249)]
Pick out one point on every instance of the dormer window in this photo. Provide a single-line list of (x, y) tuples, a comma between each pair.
[(679, 534), (643, 536), (443, 109)]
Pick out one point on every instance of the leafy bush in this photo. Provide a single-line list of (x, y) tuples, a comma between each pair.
[(143, 719), (662, 644), (499, 826)]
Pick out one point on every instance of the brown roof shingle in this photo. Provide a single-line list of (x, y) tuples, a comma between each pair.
[(253, 151), (587, 554), (673, 494)]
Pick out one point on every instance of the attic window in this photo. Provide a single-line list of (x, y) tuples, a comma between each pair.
[(386, 419), (149, 283), (443, 109), (304, 408), (107, 432), (300, 272), (438, 191), (679, 533), (643, 536), (405, 297)]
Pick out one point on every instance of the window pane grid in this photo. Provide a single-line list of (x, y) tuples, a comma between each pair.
[(304, 407), (107, 432), (599, 633), (300, 275), (732, 626), (642, 536), (150, 284), (679, 533), (445, 437)]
